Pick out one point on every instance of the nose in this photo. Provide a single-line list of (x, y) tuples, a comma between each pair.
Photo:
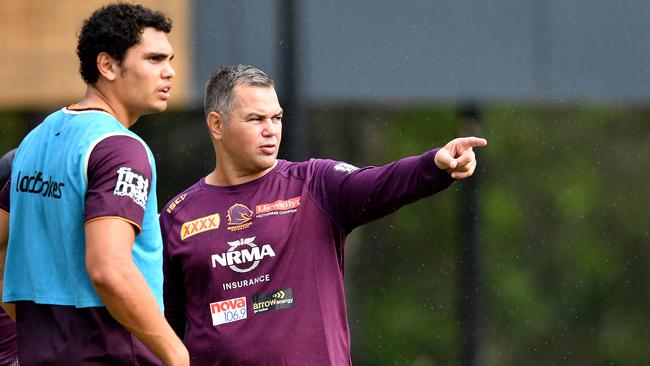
[(168, 72), (270, 128)]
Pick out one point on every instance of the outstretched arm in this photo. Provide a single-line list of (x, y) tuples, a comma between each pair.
[(458, 158), (353, 196)]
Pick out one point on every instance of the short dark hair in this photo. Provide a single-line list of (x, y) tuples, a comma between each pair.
[(114, 29), (219, 95)]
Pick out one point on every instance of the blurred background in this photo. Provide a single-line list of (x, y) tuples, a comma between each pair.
[(543, 258)]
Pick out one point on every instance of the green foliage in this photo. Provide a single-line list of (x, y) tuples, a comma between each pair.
[(402, 283), (565, 234), (13, 127), (563, 241)]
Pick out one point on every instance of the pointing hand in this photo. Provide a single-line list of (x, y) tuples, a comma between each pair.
[(458, 158)]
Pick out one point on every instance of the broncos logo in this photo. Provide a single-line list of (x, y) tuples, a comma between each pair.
[(239, 214)]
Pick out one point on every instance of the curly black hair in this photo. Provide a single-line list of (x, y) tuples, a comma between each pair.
[(114, 29)]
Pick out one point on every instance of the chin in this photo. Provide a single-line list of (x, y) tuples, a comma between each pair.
[(154, 109), (267, 163), (160, 107)]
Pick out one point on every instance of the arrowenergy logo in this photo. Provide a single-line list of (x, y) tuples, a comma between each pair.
[(239, 217), (243, 255), (277, 207), (271, 301), (228, 311), (200, 225)]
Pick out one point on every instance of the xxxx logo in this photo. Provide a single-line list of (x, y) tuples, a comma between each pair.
[(200, 225)]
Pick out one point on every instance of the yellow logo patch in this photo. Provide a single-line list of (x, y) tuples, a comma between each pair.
[(200, 225)]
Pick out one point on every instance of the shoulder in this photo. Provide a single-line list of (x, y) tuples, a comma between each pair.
[(119, 150), (123, 144), (93, 129), (95, 124), (289, 168), (316, 170), (328, 168), (314, 166), (91, 122), (182, 199), (117, 140)]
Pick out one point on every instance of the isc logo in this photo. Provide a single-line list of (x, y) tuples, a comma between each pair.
[(228, 311)]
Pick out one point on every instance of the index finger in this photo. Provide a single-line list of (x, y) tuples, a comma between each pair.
[(473, 141)]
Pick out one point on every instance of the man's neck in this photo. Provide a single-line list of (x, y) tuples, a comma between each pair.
[(222, 176), (95, 98)]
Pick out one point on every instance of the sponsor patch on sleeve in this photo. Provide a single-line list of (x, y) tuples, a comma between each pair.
[(345, 168), (132, 184), (228, 311)]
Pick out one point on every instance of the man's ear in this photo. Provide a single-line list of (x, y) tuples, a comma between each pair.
[(216, 125), (107, 66)]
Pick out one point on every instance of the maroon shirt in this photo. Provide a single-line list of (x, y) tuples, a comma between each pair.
[(8, 343), (4, 196), (256, 270), (65, 335)]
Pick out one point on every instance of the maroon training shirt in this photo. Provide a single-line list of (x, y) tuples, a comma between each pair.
[(256, 269)]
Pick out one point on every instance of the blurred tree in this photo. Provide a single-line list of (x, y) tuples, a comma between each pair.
[(14, 125), (566, 229), (564, 234)]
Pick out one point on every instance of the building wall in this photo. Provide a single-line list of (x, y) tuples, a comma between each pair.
[(422, 51), (38, 61), (361, 51)]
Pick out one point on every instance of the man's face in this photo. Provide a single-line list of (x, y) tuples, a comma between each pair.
[(251, 137), (143, 81)]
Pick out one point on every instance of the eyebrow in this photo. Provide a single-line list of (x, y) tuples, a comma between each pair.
[(159, 55), (257, 114)]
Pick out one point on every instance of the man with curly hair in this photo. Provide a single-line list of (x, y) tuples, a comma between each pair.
[(80, 244)]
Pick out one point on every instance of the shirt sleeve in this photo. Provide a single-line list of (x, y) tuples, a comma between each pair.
[(353, 196), (4, 196), (173, 284), (119, 176)]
